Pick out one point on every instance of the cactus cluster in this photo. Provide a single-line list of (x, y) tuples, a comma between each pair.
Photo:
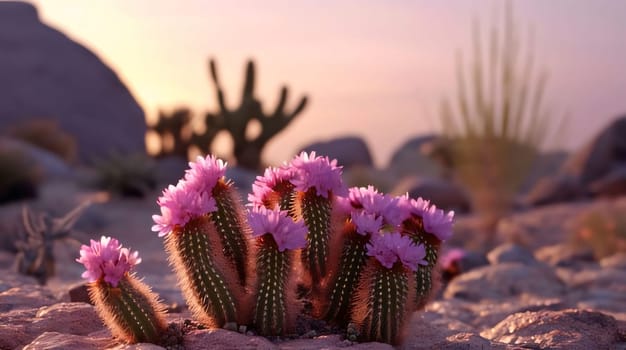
[(367, 259)]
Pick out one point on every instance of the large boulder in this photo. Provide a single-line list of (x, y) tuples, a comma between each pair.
[(597, 169), (413, 158), (349, 151), (45, 74)]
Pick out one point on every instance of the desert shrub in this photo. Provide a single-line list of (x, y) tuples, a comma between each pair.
[(19, 176), (602, 231), (130, 175), (46, 134), (497, 121)]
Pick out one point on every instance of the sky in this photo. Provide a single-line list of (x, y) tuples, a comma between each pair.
[(375, 69)]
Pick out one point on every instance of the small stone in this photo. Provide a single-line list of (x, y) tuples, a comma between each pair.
[(511, 253), (243, 329), (231, 326)]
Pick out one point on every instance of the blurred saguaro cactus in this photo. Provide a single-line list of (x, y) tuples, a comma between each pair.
[(237, 121), (177, 135), (499, 121)]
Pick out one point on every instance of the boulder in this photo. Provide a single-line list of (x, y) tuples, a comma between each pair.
[(566, 329), (413, 158), (349, 151), (511, 253), (598, 168), (45, 74), (505, 280)]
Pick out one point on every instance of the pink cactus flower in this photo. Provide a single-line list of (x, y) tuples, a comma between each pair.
[(286, 233), (438, 223), (391, 247), (204, 173), (264, 185), (317, 172), (191, 197), (107, 259), (179, 204), (366, 223)]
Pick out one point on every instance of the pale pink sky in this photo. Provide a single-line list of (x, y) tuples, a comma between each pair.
[(377, 69)]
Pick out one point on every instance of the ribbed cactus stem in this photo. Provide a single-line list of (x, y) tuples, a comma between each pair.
[(202, 279), (352, 261), (130, 310), (273, 266), (423, 275), (286, 196), (230, 224), (385, 294), (316, 212)]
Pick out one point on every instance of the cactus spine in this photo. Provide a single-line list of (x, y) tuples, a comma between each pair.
[(352, 261), (316, 212), (229, 221), (194, 252), (130, 310), (382, 303), (424, 276), (273, 269)]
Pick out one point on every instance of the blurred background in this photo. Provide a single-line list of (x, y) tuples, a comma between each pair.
[(374, 69)]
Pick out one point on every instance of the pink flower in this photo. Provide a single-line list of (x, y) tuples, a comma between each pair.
[(369, 199), (107, 259), (391, 247), (191, 197), (366, 223), (204, 173), (317, 172), (438, 223), (179, 204), (286, 233), (452, 256), (266, 184)]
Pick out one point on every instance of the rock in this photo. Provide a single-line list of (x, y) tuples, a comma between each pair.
[(567, 329), (412, 159), (25, 297), (557, 188), (61, 341), (504, 281), (423, 333), (50, 165), (349, 151), (598, 168), (444, 194), (47, 75), (564, 255), (79, 294), (330, 342), (223, 339), (511, 253), (545, 165), (70, 318), (617, 261), (613, 184)]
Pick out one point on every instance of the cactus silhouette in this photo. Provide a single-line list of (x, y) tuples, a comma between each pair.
[(236, 121), (247, 151), (205, 226), (35, 248), (126, 305)]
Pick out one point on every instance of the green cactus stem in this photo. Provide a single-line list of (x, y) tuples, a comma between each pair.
[(424, 276), (205, 277), (130, 310), (231, 227), (273, 307), (352, 261), (382, 303), (316, 212)]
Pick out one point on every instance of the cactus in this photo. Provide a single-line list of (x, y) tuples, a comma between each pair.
[(366, 257), (382, 301), (205, 228), (177, 126), (236, 122), (277, 235), (428, 226), (35, 249), (126, 305)]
